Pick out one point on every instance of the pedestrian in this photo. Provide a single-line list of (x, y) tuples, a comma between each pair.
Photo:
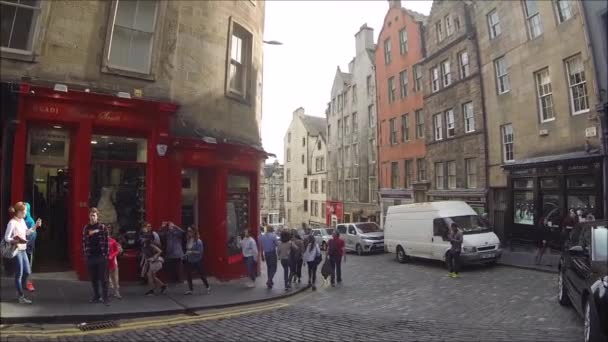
[(174, 252), (16, 235), (95, 243), (335, 252), (31, 242), (312, 256), (285, 251), (297, 257), (268, 246), (453, 254), (153, 264), (193, 259), (146, 233), (250, 256), (114, 250)]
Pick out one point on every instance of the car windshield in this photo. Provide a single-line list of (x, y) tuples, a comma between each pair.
[(369, 227), (470, 224), (600, 237), (327, 231)]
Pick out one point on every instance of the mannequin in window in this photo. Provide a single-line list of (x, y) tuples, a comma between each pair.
[(107, 212)]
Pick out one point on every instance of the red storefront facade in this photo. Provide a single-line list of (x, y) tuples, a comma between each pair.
[(77, 149)]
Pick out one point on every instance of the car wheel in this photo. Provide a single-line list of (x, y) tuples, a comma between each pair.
[(591, 331), (562, 294), (324, 246), (359, 250), (401, 256)]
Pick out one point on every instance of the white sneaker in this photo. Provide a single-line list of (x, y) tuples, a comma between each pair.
[(23, 300), (209, 290)]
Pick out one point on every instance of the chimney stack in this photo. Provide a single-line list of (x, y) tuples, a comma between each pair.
[(364, 39), (298, 112), (394, 3)]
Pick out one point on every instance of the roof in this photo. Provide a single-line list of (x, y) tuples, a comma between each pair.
[(417, 16), (346, 77), (269, 169), (315, 125), (553, 159)]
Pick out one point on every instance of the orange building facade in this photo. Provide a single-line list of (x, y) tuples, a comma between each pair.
[(401, 128)]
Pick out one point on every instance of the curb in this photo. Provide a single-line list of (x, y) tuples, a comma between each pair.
[(74, 319), (532, 268)]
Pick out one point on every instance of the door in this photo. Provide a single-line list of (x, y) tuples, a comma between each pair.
[(351, 240), (440, 243)]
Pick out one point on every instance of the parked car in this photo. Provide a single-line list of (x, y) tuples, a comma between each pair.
[(420, 230), (322, 236), (362, 237), (583, 277)]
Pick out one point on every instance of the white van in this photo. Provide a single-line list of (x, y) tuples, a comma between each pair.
[(420, 230)]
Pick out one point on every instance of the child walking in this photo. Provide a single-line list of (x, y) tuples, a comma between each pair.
[(115, 250)]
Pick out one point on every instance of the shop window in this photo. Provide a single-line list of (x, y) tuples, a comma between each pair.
[(586, 203), (119, 148), (190, 197), (549, 183), (523, 183), (237, 211), (523, 204), (577, 182), (50, 147), (551, 216)]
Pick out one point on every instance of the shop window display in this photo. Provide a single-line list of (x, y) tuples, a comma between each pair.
[(118, 182), (237, 211), (523, 204), (586, 203)]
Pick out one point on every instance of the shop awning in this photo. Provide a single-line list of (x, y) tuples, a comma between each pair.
[(552, 159)]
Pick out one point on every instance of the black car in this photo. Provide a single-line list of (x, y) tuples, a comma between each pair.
[(583, 277)]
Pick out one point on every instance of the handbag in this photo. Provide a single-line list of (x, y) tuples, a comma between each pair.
[(8, 250), (326, 269)]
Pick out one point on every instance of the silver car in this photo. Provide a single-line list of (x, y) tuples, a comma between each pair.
[(322, 236), (362, 237)]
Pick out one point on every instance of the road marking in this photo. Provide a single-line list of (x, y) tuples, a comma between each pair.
[(147, 324)]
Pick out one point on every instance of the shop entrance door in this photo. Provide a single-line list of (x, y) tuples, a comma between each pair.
[(47, 191)]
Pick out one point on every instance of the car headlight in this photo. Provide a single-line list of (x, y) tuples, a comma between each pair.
[(469, 249)]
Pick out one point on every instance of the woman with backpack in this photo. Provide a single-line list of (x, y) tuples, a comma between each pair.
[(312, 256), (285, 249)]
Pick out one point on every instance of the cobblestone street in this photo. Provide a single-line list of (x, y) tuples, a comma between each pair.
[(384, 300)]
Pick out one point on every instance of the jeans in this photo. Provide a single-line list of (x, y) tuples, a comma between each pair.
[(453, 260), (298, 271), (113, 280), (98, 271), (192, 267), (312, 272), (271, 266), (22, 271), (251, 271), (336, 269), (173, 269), (286, 275)]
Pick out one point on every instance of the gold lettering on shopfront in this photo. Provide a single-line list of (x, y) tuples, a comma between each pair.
[(108, 116), (46, 109)]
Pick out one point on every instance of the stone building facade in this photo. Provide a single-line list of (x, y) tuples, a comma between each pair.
[(129, 105), (272, 196), (400, 107), (304, 144), (352, 167), (543, 126), (453, 106)]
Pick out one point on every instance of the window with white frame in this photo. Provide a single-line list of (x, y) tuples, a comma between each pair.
[(387, 51), (545, 95), (470, 166), (563, 9), (535, 26), (419, 124), (469, 117), (494, 24), (355, 122), (288, 199), (451, 174), (439, 176), (355, 150), (463, 61), (132, 37), (403, 81), (393, 131), (435, 79), (450, 123), (405, 127), (372, 150), (346, 125), (354, 94), (288, 155), (438, 126), (371, 116), (507, 143), (339, 128), (288, 175), (368, 84), (19, 19), (502, 75), (449, 27), (439, 30), (322, 186), (446, 74), (577, 82), (417, 78), (403, 41), (240, 57), (391, 89)]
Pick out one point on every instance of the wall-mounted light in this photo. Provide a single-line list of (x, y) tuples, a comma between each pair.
[(94, 142), (87, 90), (60, 87), (57, 127), (124, 95)]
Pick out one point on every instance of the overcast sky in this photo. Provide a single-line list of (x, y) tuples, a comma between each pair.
[(318, 36)]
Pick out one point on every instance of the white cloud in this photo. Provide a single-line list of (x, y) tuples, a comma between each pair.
[(317, 36)]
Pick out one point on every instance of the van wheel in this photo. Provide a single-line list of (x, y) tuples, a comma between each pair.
[(401, 256), (359, 250)]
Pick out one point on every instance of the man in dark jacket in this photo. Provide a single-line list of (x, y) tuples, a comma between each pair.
[(453, 255), (95, 242)]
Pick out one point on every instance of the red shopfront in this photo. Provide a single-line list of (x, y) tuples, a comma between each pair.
[(76, 149), (334, 213)]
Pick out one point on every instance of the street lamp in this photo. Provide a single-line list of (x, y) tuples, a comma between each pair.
[(272, 42)]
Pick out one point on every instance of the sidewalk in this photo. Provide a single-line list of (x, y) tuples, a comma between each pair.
[(524, 256), (67, 301)]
